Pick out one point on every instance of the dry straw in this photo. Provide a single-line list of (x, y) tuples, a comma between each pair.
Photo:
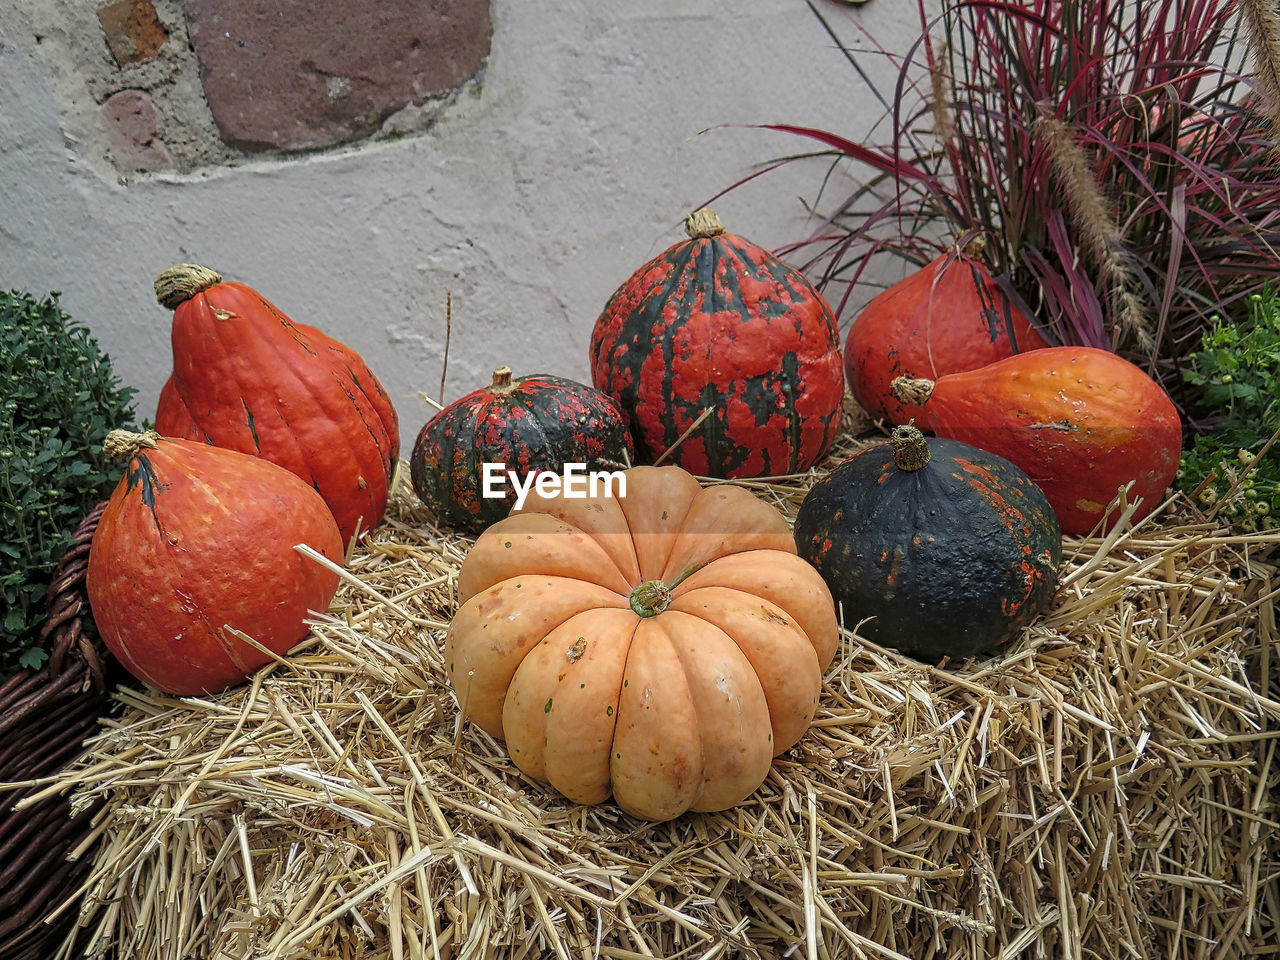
[(1103, 789)]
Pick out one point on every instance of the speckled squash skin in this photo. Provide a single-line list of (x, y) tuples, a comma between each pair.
[(660, 647), (1082, 422), (247, 378), (531, 423), (195, 537), (947, 317), (947, 558), (717, 322)]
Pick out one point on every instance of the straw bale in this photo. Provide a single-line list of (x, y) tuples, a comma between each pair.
[(1104, 788)]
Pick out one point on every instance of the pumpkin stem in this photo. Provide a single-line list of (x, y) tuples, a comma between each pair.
[(910, 449), (183, 281), (702, 224), (914, 391), (124, 444), (975, 247), (501, 380), (650, 598)]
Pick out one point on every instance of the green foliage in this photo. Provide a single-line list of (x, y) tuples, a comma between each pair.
[(1237, 375), (60, 399)]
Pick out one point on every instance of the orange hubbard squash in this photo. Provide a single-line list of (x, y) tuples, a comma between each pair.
[(947, 317), (661, 646), (248, 378), (195, 539), (1081, 421)]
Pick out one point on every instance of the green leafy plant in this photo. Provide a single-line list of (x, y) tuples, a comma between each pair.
[(1116, 154), (1233, 467), (60, 399)]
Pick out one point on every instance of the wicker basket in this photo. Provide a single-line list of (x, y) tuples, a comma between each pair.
[(45, 716)]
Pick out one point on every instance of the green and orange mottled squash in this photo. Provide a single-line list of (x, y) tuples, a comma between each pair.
[(528, 425), (947, 317), (197, 542), (662, 646), (720, 346), (247, 378), (1082, 422), (945, 550)]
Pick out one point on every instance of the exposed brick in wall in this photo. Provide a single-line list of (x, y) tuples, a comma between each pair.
[(312, 73), (132, 131), (155, 85), (133, 30)]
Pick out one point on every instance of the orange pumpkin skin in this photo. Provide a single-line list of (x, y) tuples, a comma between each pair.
[(1080, 421), (196, 537), (255, 381), (944, 318), (173, 419), (661, 647)]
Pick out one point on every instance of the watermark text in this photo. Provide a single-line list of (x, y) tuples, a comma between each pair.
[(574, 482)]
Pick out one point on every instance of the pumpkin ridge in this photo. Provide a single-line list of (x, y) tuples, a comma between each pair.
[(609, 696), (654, 779), (807, 602), (709, 721), (512, 557), (720, 607)]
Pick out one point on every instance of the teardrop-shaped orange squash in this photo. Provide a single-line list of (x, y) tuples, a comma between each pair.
[(1082, 422), (255, 381)]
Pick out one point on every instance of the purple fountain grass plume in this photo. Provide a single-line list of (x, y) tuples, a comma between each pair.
[(1147, 204), (1262, 22)]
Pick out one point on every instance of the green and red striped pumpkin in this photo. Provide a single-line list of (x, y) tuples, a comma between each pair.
[(719, 346), (529, 424)]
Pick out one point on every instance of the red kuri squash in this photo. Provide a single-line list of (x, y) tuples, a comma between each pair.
[(947, 317), (1082, 422), (198, 541), (173, 419), (255, 381)]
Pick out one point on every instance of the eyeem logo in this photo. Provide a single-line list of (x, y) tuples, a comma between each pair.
[(575, 482)]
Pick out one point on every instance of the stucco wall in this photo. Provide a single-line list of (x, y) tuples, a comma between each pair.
[(529, 199)]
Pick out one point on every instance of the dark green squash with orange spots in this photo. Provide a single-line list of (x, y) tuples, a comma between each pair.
[(718, 346), (944, 550), (530, 425)]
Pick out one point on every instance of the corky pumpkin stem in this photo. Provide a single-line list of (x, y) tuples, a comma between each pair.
[(650, 598), (910, 449), (702, 224), (501, 380), (124, 444), (976, 246), (183, 281), (914, 391)]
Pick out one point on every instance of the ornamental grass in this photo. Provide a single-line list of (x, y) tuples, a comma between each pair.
[(1118, 156), (1104, 787)]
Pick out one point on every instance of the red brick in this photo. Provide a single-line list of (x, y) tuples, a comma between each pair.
[(131, 130), (134, 32), (296, 74)]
